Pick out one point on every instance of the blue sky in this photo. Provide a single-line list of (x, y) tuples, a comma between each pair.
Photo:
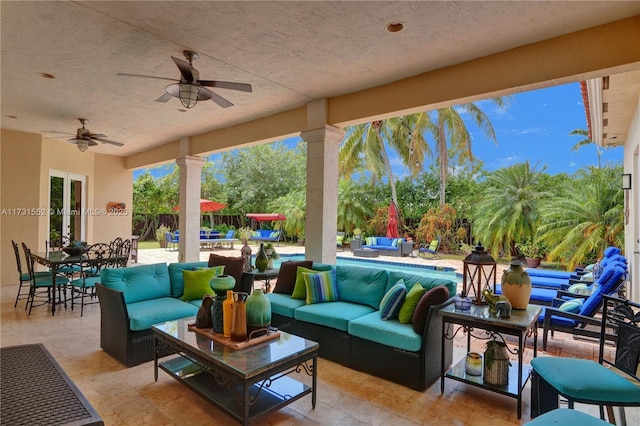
[(535, 126)]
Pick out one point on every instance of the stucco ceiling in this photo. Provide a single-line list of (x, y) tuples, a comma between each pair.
[(290, 52)]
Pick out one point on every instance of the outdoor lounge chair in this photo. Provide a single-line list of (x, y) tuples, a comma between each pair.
[(228, 240), (172, 240), (430, 251), (590, 382), (583, 322), (340, 241)]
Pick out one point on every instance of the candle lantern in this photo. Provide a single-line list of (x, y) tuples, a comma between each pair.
[(479, 274)]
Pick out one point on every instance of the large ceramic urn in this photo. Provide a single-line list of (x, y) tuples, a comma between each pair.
[(516, 286)]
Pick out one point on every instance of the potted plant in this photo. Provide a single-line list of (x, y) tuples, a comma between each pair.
[(271, 254), (162, 229), (301, 238), (357, 233), (244, 234), (533, 251)]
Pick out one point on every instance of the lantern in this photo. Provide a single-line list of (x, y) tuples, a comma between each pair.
[(479, 274)]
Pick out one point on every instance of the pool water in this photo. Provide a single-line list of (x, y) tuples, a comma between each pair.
[(424, 270)]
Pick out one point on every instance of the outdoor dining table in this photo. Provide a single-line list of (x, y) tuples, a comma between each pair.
[(56, 260)]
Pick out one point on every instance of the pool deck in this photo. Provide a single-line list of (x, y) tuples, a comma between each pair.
[(149, 256)]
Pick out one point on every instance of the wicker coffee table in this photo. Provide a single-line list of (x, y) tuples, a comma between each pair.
[(366, 252), (247, 384)]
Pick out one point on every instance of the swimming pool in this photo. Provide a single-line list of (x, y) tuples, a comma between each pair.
[(444, 272)]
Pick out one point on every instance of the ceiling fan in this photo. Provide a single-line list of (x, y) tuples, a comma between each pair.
[(190, 89), (84, 138)]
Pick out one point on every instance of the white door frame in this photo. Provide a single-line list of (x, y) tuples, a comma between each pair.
[(69, 211)]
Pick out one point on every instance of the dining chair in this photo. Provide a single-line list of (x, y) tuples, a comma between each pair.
[(41, 287), (24, 277), (94, 259), (123, 255), (609, 382), (57, 245)]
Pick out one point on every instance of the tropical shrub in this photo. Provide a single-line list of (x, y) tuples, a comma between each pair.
[(439, 222)]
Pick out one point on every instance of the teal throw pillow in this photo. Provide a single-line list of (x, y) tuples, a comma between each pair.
[(572, 305), (579, 289), (368, 241), (196, 283), (394, 243), (392, 301), (588, 277), (274, 234), (410, 302), (374, 241), (320, 287)]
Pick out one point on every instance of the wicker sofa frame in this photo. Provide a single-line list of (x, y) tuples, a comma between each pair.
[(118, 340), (416, 370)]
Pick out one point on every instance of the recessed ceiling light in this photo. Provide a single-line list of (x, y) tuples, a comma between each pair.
[(47, 75), (395, 27)]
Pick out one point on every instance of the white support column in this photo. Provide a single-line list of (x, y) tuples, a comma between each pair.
[(189, 221), (322, 193)]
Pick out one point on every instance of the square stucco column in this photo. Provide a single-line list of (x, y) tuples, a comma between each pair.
[(322, 193), (189, 221)]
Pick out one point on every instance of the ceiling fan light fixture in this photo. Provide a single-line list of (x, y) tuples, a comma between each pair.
[(83, 144), (188, 94)]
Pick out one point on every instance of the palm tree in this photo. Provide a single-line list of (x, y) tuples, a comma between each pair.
[(509, 209), (353, 209), (585, 142), (364, 148), (585, 216), (450, 127)]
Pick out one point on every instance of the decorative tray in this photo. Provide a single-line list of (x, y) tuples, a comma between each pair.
[(226, 341)]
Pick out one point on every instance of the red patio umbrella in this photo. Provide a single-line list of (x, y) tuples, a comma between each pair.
[(208, 206), (392, 226)]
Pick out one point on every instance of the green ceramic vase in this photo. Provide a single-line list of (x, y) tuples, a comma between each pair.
[(222, 283), (258, 312), (262, 261)]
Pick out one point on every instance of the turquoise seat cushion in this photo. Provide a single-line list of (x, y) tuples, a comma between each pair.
[(144, 282), (175, 275), (197, 303), (566, 417), (143, 314), (332, 314), (25, 275), (283, 304), (390, 332), (361, 285), (585, 380), (88, 282), (427, 283)]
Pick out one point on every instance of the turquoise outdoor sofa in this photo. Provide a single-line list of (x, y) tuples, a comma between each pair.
[(133, 299), (352, 332), (389, 246)]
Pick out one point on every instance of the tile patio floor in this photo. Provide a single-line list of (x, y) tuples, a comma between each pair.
[(129, 396)]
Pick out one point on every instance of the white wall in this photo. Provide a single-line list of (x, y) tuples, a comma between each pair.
[(632, 228)]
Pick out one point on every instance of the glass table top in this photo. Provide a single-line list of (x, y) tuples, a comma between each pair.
[(245, 362), (520, 318)]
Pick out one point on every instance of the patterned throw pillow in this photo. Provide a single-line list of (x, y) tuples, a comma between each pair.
[(391, 302), (572, 305), (321, 287), (410, 302), (579, 289)]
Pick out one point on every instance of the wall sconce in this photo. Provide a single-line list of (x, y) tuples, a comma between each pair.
[(626, 181)]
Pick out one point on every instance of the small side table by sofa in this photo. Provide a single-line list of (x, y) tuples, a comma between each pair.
[(522, 324)]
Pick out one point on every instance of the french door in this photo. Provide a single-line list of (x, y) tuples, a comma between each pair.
[(67, 195)]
